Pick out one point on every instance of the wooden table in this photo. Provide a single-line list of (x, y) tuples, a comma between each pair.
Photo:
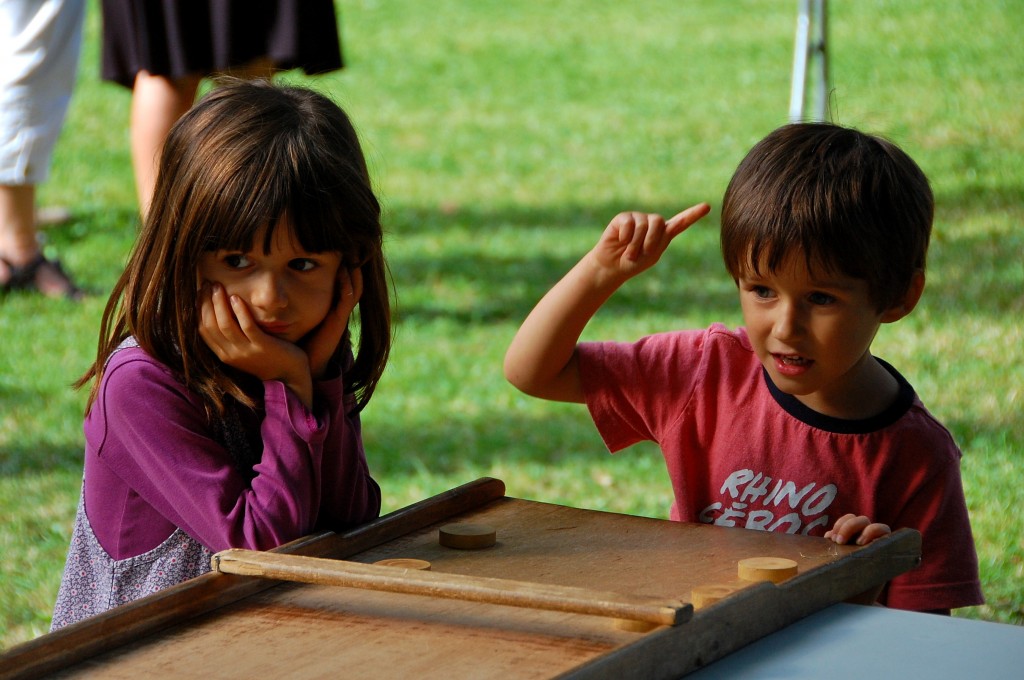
[(242, 626)]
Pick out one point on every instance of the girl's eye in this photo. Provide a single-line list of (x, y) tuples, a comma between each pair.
[(821, 298), (302, 264), (761, 291), (237, 261)]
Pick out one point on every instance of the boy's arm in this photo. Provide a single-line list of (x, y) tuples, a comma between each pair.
[(541, 361)]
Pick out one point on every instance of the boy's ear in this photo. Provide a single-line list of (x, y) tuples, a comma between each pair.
[(909, 300)]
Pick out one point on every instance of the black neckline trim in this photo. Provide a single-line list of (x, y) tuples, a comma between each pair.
[(896, 410)]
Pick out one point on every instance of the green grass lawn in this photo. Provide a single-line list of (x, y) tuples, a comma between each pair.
[(502, 137)]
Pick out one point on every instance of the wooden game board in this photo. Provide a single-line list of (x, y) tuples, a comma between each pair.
[(231, 626)]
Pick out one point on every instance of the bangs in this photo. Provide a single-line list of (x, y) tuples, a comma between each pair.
[(287, 157), (766, 250), (848, 203), (271, 188)]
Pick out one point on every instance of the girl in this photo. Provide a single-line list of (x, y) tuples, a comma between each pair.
[(224, 409)]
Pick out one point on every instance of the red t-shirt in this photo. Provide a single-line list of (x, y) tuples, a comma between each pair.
[(741, 453)]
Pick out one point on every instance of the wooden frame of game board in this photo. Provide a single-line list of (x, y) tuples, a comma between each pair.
[(534, 542)]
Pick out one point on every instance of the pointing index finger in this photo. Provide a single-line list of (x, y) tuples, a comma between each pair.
[(682, 221)]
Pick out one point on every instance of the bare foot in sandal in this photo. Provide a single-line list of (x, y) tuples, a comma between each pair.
[(40, 274)]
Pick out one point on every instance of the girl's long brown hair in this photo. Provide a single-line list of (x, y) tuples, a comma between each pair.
[(248, 155)]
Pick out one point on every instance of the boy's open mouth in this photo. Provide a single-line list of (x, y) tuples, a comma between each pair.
[(793, 360)]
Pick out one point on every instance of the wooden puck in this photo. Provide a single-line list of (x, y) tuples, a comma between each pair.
[(774, 569), (467, 536), (706, 595), (405, 563), (634, 626)]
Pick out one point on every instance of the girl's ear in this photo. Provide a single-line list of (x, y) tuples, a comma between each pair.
[(909, 300)]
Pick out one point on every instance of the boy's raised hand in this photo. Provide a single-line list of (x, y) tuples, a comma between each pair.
[(541, 360), (635, 241)]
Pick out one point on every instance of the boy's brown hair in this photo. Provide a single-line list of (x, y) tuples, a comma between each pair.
[(849, 202)]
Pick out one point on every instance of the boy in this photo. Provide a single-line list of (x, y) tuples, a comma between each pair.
[(788, 424)]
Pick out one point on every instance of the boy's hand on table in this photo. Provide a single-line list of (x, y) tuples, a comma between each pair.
[(849, 526)]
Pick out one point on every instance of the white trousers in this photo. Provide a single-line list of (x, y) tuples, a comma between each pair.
[(40, 42)]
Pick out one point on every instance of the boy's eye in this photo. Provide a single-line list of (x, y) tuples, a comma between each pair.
[(302, 264), (761, 291), (236, 260), (821, 298)]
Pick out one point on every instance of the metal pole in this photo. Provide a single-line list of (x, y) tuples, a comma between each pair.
[(799, 83), (810, 53), (820, 50)]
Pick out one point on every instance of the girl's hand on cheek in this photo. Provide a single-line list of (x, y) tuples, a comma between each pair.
[(321, 344), (227, 327)]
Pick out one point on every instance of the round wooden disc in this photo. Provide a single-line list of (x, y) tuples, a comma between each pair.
[(467, 536), (774, 569), (634, 626), (705, 595), (405, 563)]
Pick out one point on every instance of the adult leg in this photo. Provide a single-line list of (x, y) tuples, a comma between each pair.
[(157, 103), (18, 245), (22, 264), (39, 49)]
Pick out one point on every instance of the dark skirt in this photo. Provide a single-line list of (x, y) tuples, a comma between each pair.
[(177, 38)]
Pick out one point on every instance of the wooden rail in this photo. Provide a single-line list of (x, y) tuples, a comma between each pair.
[(453, 586)]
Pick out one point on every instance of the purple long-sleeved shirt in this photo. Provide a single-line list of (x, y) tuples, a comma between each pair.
[(156, 474)]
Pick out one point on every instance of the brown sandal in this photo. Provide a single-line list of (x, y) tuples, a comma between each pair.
[(27, 277)]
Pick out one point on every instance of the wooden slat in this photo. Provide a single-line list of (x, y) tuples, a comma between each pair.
[(504, 592)]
